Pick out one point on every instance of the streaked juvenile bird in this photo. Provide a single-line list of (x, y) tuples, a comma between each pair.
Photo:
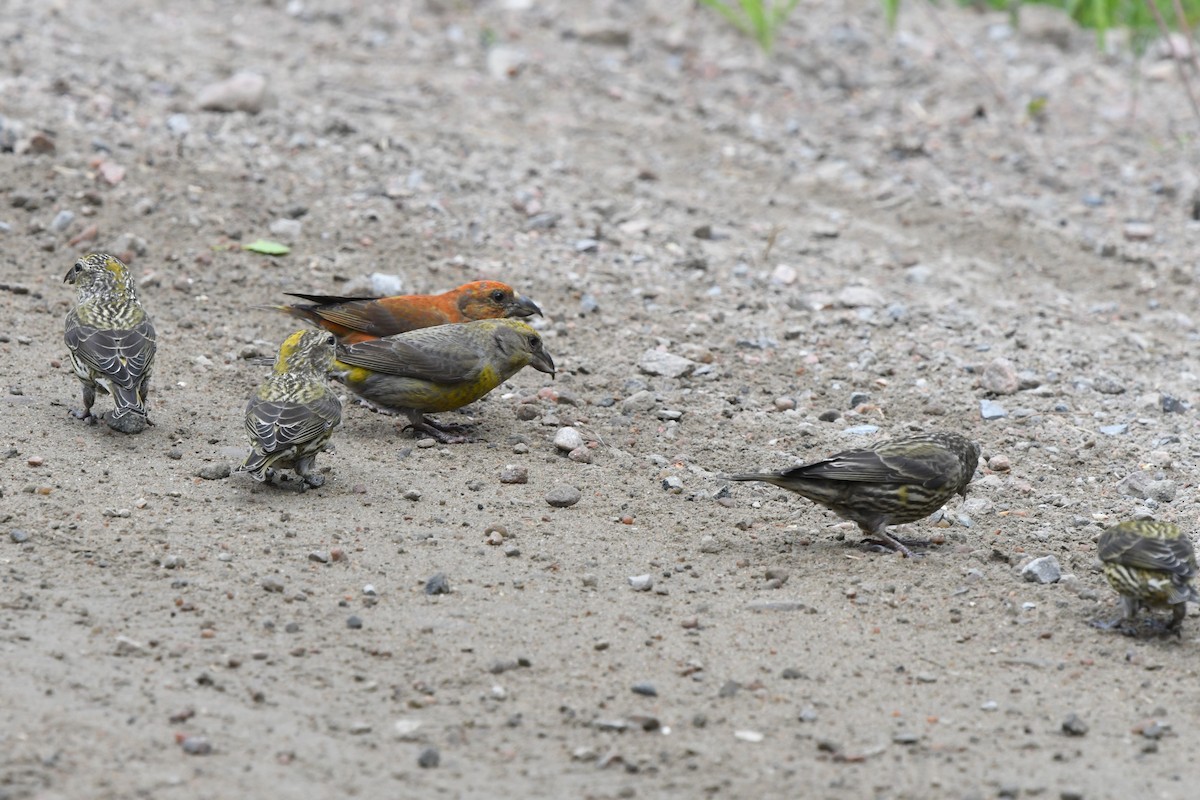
[(358, 319), (111, 341), (890, 483), (1151, 565), (440, 368), (292, 415)]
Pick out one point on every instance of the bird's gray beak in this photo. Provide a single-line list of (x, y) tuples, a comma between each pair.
[(524, 307), (70, 276), (542, 362)]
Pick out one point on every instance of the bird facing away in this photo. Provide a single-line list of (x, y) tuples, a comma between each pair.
[(292, 415), (1150, 564), (440, 368), (111, 341), (358, 319), (890, 483)]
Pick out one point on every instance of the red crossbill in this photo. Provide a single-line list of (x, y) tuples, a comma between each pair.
[(357, 319)]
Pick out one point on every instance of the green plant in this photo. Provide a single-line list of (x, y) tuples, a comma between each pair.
[(759, 19)]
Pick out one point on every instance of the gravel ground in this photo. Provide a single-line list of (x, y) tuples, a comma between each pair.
[(744, 262)]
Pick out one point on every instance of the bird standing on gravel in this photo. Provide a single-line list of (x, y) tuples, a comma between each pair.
[(1149, 564), (440, 368), (111, 341), (292, 415), (890, 483), (358, 319)]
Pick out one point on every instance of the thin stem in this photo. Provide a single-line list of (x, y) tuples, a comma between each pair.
[(1166, 32)]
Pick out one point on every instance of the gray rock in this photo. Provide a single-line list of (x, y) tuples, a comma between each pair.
[(990, 409), (513, 473), (641, 583), (645, 689), (1114, 430), (581, 455), (62, 220), (1074, 726), (1106, 384), (643, 400), (212, 472), (668, 365), (18, 536), (319, 556), (1042, 570), (1161, 491), (568, 439), (1135, 484), (178, 125), (859, 297), (1000, 377), (196, 746), (244, 91), (438, 584), (287, 230), (563, 496), (429, 758)]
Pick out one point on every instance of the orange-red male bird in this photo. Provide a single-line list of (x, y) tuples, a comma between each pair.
[(360, 319)]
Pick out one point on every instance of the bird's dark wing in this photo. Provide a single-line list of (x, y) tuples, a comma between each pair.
[(277, 425), (123, 356), (1175, 556), (923, 463), (443, 354)]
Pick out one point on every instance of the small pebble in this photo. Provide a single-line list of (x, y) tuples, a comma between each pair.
[(214, 472), (515, 474), (18, 536), (990, 409), (319, 556), (1074, 726), (196, 746), (641, 583), (568, 439), (354, 622), (1042, 570), (563, 496), (645, 688), (1000, 377), (581, 455), (438, 584), (999, 464), (429, 758)]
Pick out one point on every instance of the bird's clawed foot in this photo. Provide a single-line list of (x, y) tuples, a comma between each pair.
[(445, 433), (86, 415), (1130, 627), (888, 544)]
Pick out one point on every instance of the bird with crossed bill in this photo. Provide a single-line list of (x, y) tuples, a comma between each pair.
[(358, 319), (890, 483), (1150, 565), (439, 369), (111, 341), (291, 417)]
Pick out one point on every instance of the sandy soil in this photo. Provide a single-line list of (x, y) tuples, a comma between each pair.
[(868, 213)]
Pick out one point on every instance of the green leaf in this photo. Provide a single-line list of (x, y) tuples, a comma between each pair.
[(267, 247)]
